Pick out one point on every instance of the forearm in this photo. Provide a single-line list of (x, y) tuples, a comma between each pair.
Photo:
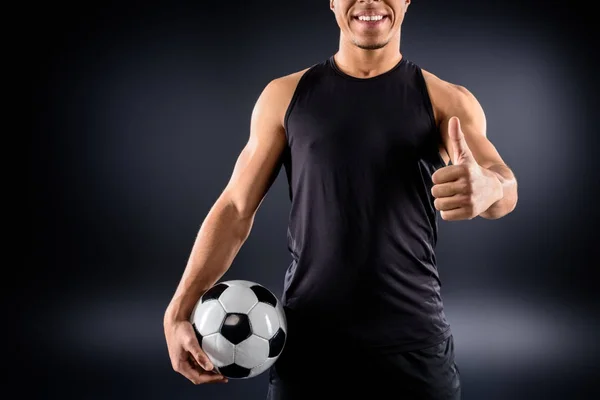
[(219, 239), (508, 200)]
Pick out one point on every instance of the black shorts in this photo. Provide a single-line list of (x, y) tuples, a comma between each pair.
[(308, 373)]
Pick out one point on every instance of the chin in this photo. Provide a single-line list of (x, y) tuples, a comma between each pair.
[(371, 44)]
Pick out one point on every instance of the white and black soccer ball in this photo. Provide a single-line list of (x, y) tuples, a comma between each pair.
[(241, 326)]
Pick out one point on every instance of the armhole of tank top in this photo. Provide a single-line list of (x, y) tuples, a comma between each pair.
[(293, 100), (429, 107), (426, 97)]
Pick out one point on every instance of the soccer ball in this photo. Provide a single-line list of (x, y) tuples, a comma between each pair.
[(241, 326)]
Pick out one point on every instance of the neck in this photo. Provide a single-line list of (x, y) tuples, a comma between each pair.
[(362, 63)]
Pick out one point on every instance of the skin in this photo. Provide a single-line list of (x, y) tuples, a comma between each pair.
[(227, 226), (478, 183)]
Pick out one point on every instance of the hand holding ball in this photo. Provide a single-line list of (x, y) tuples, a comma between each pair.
[(241, 326)]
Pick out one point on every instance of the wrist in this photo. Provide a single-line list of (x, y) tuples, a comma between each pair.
[(498, 187), (177, 312)]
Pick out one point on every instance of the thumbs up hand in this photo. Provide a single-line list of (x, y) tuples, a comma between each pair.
[(463, 190)]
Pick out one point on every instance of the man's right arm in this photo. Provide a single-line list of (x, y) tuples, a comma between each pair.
[(229, 221)]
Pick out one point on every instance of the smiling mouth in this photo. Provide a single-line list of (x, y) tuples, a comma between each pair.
[(370, 19)]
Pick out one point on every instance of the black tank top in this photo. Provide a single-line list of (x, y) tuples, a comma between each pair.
[(362, 226)]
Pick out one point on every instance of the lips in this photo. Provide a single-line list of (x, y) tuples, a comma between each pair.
[(370, 17), (369, 13)]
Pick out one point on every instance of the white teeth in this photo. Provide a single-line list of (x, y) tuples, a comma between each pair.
[(370, 17)]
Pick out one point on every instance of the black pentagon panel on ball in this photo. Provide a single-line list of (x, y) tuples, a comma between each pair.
[(264, 295), (276, 343), (198, 335), (214, 292), (234, 371), (236, 328)]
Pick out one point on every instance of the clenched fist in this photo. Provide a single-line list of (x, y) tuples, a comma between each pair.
[(463, 190)]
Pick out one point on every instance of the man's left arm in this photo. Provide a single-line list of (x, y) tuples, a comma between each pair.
[(478, 183)]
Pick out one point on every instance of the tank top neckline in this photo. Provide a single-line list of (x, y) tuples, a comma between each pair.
[(341, 73)]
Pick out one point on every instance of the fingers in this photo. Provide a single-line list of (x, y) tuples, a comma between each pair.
[(451, 203), (218, 377), (457, 214), (455, 208), (460, 147), (192, 346), (449, 189), (447, 174), (198, 376), (187, 357), (456, 135)]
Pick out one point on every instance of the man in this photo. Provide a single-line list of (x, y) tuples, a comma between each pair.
[(374, 148)]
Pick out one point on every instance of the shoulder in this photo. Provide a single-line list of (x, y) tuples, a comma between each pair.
[(447, 92), (450, 99), (277, 94), (285, 86)]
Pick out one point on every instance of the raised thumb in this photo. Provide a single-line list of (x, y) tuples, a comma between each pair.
[(461, 150)]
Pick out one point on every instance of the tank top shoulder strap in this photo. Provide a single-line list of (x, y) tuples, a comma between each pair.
[(307, 80)]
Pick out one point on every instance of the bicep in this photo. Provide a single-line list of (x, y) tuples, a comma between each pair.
[(474, 126), (259, 161)]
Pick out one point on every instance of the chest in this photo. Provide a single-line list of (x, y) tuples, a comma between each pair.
[(353, 122)]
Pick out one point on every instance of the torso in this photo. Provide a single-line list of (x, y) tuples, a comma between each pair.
[(362, 224)]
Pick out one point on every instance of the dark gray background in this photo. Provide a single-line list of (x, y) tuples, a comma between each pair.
[(140, 110)]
